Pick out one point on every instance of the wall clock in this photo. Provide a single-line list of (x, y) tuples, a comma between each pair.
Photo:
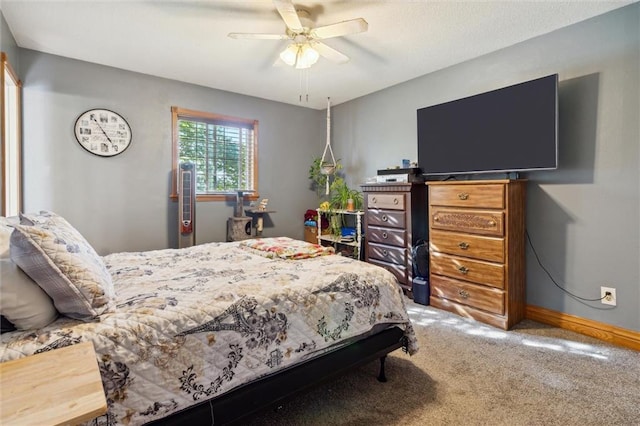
[(103, 132)]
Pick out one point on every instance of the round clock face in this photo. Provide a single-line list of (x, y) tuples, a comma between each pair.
[(103, 132)]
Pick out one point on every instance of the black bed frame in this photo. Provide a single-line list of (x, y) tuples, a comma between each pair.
[(273, 390)]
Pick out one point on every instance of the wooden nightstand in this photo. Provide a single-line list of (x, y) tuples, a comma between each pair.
[(59, 387)]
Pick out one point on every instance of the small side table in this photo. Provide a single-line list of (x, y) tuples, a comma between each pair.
[(259, 214), (58, 387)]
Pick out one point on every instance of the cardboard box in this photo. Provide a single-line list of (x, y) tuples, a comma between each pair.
[(311, 234)]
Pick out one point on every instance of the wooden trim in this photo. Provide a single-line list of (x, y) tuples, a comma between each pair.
[(3, 163), (174, 153), (201, 115), (220, 197), (6, 66), (606, 332)]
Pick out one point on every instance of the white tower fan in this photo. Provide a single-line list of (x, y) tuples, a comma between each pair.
[(186, 204)]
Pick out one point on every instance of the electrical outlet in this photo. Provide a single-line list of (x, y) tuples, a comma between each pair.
[(608, 295)]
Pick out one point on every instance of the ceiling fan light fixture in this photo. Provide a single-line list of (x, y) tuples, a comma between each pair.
[(290, 54), (307, 56), (305, 40)]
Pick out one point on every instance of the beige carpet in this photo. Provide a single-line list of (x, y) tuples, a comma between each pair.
[(467, 373)]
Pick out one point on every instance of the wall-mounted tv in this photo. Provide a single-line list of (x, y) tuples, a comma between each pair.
[(511, 129)]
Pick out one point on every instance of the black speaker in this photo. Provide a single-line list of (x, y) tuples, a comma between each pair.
[(420, 290), (420, 254)]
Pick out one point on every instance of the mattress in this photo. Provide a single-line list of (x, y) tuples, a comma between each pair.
[(194, 323)]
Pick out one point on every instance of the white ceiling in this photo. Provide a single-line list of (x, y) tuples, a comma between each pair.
[(187, 40)]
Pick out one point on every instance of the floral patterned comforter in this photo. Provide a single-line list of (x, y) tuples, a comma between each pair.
[(285, 248), (194, 323)]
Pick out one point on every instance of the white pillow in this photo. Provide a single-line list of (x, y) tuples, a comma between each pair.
[(6, 228), (63, 264), (22, 301)]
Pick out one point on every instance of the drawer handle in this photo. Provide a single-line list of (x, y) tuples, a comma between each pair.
[(463, 245), (492, 223), (374, 200), (436, 218), (385, 253), (395, 201), (463, 195), (463, 270), (384, 218), (384, 235), (464, 294)]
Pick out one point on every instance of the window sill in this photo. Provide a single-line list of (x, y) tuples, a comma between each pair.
[(219, 197)]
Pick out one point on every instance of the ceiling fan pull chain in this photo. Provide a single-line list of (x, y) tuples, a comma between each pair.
[(300, 87), (306, 75)]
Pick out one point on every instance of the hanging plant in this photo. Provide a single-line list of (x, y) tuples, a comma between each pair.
[(328, 167), (319, 178)]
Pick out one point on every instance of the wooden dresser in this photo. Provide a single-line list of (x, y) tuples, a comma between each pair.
[(393, 223), (477, 249)]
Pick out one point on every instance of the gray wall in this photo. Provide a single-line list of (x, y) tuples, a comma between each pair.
[(583, 218), (122, 203), (8, 44)]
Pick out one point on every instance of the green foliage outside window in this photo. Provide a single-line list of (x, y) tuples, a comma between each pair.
[(222, 153)]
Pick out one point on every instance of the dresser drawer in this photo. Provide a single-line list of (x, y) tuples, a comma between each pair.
[(391, 201), (475, 221), (490, 196), (477, 271), (395, 219), (480, 297), (388, 254), (467, 245), (390, 236), (400, 271)]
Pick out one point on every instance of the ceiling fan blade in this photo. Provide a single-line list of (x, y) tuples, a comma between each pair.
[(352, 26), (259, 36), (287, 11), (330, 53)]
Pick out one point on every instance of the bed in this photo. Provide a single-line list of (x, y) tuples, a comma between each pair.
[(208, 333)]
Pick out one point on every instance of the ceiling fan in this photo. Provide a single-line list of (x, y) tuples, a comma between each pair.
[(306, 45)]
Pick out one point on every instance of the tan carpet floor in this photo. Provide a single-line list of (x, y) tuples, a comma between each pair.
[(468, 373)]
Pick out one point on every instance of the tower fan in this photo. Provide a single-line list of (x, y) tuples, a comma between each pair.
[(186, 204)]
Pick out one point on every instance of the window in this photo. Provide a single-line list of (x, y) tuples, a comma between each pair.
[(10, 149), (223, 149)]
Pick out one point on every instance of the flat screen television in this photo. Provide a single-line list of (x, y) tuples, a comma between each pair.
[(511, 129)]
